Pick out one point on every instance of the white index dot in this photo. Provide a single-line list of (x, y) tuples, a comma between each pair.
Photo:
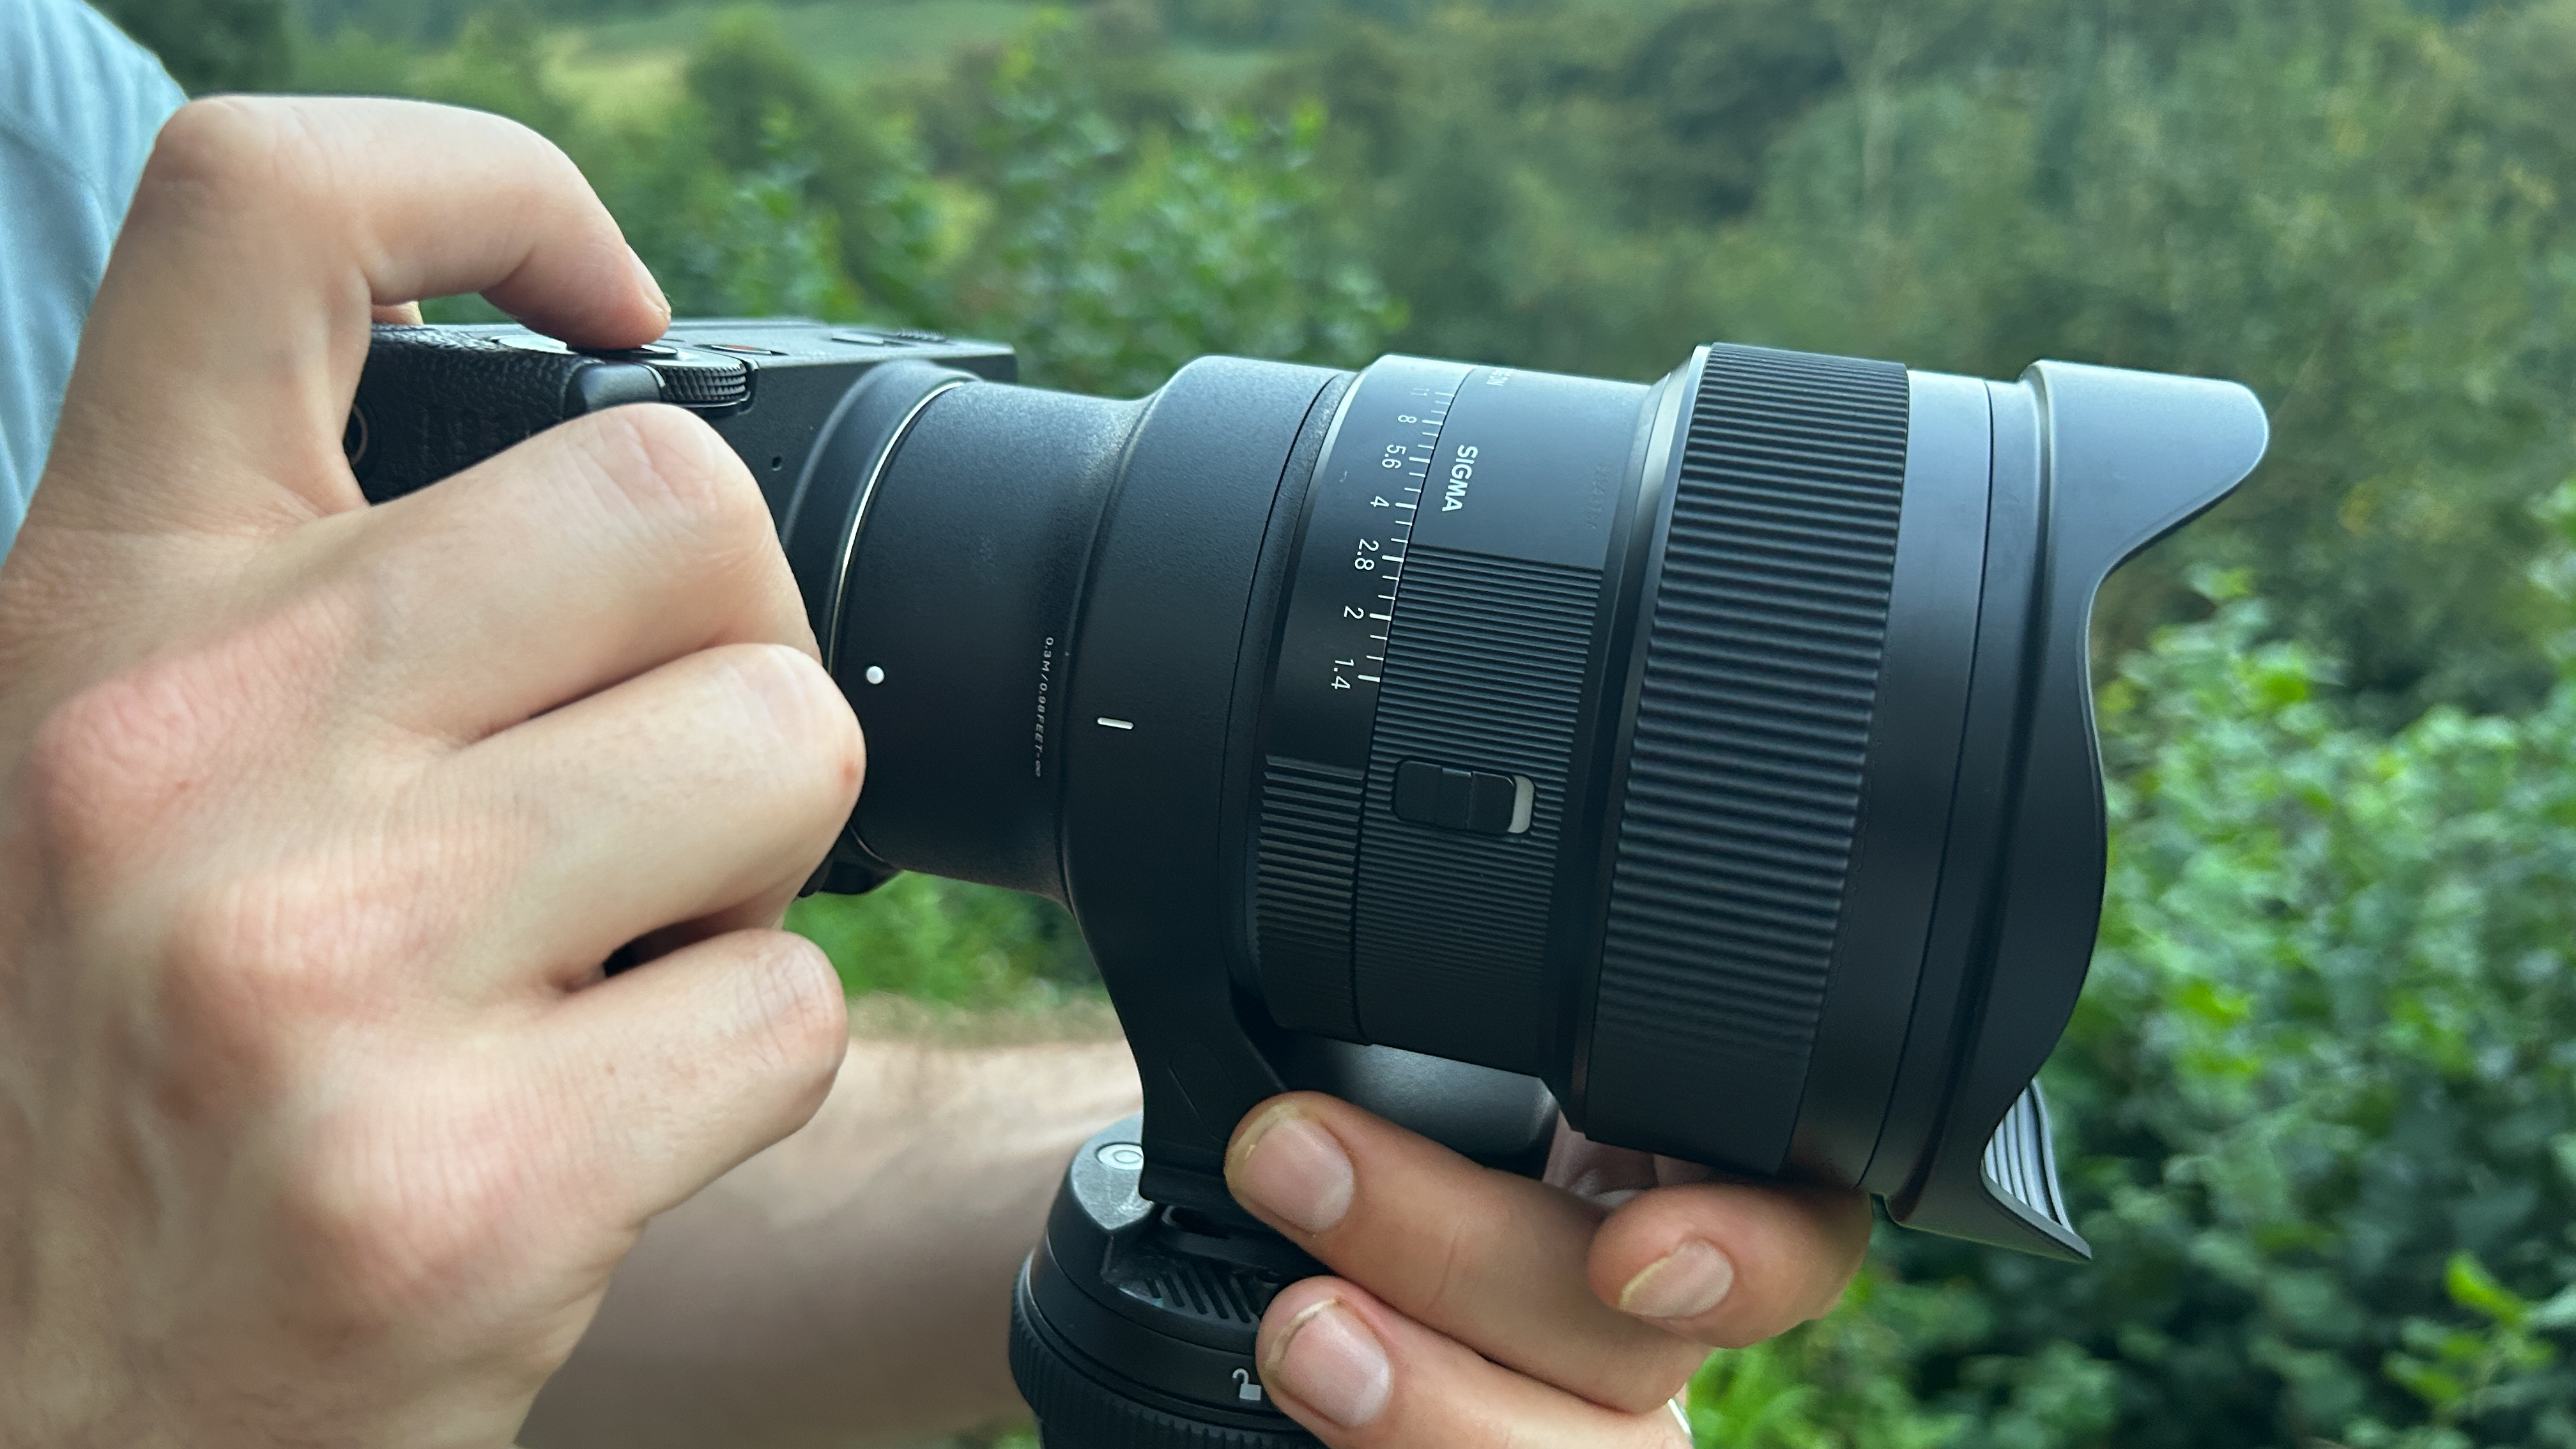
[(875, 674)]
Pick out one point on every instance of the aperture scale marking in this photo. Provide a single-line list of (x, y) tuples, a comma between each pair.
[(1349, 574), (1428, 417)]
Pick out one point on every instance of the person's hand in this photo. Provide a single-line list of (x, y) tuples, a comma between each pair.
[(319, 1123), (1479, 1310)]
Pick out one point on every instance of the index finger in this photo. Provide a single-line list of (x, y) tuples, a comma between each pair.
[(219, 361)]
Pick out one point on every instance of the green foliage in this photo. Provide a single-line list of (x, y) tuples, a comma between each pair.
[(1127, 254), (852, 182), (949, 943), (438, 22), (2466, 1373), (1839, 1383), (212, 45), (2324, 1052), (2320, 1090)]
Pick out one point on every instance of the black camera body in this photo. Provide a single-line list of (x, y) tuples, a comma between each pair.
[(436, 400), (1710, 758)]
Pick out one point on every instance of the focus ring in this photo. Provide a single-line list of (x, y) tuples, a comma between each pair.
[(1743, 782), (1309, 847)]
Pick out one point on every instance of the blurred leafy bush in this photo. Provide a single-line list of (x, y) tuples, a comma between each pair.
[(213, 45), (950, 944), (1119, 255)]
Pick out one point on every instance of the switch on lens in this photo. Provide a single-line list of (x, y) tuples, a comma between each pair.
[(1456, 799)]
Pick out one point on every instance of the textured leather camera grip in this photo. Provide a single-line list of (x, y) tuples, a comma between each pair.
[(434, 402)]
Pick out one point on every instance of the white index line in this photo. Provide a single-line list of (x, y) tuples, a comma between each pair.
[(1116, 724)]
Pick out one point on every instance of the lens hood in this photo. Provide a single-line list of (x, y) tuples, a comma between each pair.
[(2089, 466)]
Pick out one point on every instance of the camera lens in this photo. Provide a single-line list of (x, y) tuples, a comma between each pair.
[(1716, 751)]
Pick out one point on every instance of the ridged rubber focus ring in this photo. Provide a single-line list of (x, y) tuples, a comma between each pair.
[(1743, 778)]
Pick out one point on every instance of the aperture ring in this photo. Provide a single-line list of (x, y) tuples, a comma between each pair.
[(1743, 774), (1354, 537)]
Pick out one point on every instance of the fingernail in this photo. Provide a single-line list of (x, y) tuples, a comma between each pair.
[(1291, 1168), (652, 284), (1684, 1283), (1330, 1362)]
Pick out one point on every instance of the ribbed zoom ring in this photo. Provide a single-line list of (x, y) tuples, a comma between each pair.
[(1744, 773)]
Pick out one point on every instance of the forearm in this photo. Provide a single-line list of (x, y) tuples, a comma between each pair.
[(850, 1285)]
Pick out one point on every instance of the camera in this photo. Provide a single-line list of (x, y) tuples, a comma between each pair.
[(1710, 759)]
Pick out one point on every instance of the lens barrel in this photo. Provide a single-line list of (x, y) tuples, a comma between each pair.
[(1717, 752)]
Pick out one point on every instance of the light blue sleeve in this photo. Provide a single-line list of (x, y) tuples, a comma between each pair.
[(79, 106)]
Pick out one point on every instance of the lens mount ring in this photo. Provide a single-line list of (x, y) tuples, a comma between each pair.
[(858, 520)]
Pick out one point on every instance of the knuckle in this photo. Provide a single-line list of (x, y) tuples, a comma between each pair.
[(1451, 1268), (256, 957), (792, 695), (803, 1015), (272, 950), (666, 465), (121, 765), (111, 768), (230, 147), (209, 139)]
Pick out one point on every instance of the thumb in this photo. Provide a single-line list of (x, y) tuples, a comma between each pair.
[(219, 361)]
